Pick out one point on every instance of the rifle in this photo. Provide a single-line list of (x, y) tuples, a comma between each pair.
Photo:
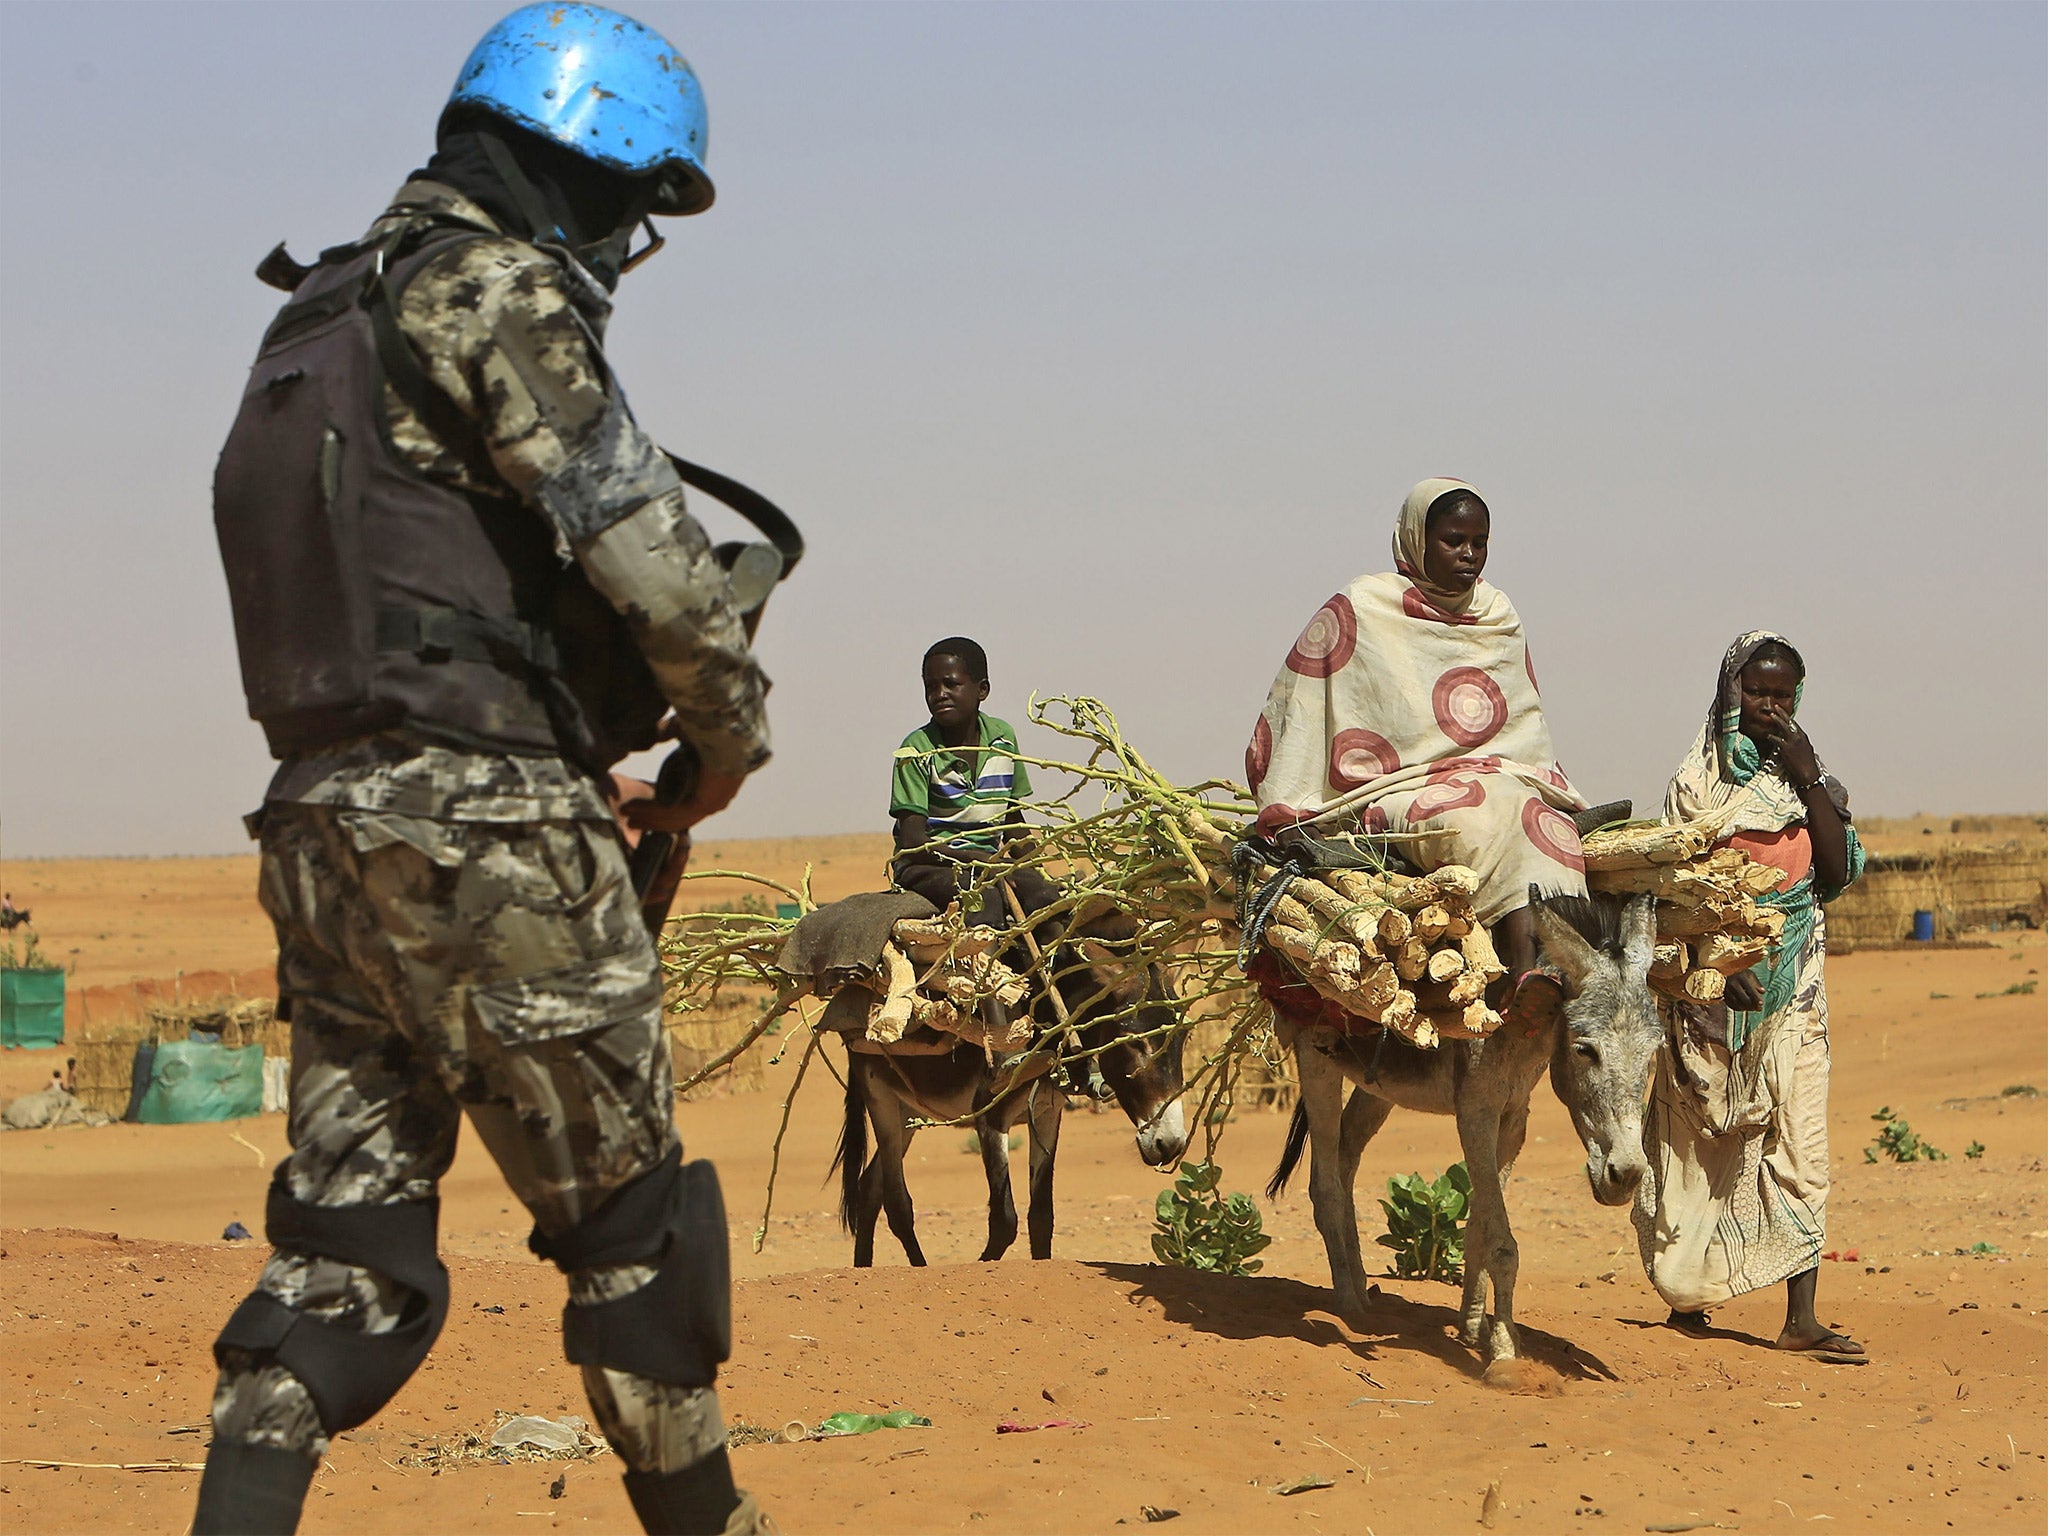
[(755, 570), (655, 851)]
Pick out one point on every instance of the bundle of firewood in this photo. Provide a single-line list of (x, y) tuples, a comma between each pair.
[(1709, 926), (1400, 951), (941, 974)]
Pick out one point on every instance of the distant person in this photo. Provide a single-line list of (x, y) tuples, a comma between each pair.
[(1737, 1134), (1409, 704), (465, 583), (71, 1074), (958, 791)]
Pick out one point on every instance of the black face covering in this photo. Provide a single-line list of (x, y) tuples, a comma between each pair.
[(532, 186)]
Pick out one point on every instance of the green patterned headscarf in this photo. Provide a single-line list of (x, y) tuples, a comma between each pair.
[(1725, 760)]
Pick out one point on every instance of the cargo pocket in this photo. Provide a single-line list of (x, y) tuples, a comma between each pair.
[(570, 1000), (439, 841)]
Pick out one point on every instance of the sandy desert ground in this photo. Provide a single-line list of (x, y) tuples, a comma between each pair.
[(1198, 1394)]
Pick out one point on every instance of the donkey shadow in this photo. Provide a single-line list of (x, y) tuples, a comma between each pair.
[(1271, 1307)]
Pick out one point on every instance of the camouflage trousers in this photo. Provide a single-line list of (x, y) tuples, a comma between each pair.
[(435, 969)]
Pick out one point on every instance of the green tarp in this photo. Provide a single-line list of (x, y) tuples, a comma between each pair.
[(31, 1007), (195, 1080)]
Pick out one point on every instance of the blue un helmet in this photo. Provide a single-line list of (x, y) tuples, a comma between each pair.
[(599, 84)]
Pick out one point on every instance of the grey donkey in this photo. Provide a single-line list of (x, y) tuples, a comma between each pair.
[(1600, 1052)]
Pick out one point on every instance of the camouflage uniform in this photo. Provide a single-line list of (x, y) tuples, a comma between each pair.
[(457, 930)]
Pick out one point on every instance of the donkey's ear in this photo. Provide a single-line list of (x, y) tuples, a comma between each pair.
[(1639, 931), (1564, 948)]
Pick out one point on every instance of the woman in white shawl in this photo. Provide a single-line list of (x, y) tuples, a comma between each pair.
[(1736, 1196), (1409, 704)]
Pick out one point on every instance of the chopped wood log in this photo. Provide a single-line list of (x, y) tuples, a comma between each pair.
[(1331, 959), (1736, 913), (1359, 924), (1444, 964), (935, 1013), (1726, 953), (937, 936), (1451, 886), (1400, 1016), (1411, 960), (1431, 923), (1679, 885), (1395, 929), (1378, 988), (1760, 879), (1645, 847), (1469, 987), (890, 1015), (1477, 948), (1290, 912), (1704, 986), (1670, 962), (1480, 1019)]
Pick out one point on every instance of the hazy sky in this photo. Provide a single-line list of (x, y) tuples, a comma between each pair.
[(1113, 336)]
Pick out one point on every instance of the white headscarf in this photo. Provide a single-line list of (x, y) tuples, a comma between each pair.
[(1411, 542)]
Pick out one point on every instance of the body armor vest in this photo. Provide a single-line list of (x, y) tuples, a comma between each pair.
[(368, 597)]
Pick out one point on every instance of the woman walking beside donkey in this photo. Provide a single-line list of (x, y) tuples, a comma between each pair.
[(1736, 1195)]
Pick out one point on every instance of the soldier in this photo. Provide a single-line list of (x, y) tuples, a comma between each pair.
[(464, 584)]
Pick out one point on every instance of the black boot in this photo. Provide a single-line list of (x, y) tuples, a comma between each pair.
[(251, 1490), (693, 1502)]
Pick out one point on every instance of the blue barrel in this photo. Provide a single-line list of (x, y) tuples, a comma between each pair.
[(1923, 927)]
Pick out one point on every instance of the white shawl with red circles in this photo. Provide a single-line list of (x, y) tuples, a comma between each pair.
[(1390, 709)]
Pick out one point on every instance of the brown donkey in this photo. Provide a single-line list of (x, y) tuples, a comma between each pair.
[(1107, 1000)]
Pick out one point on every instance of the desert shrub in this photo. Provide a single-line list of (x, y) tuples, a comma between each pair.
[(1426, 1223), (1201, 1229), (30, 958), (1899, 1142)]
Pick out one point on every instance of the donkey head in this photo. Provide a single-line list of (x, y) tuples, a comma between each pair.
[(1110, 997), (1608, 1039)]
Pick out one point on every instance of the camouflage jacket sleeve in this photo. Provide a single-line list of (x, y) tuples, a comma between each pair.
[(495, 324)]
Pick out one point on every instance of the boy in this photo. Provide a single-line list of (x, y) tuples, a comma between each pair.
[(958, 790)]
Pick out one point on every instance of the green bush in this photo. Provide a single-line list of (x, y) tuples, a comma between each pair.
[(1426, 1223), (1200, 1229), (1899, 1142), (31, 957)]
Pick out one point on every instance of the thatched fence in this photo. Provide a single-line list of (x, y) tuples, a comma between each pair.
[(1965, 888)]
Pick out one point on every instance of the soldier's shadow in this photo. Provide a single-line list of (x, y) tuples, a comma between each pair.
[(1270, 1307)]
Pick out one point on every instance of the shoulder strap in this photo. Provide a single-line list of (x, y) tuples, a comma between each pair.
[(406, 374), (773, 523)]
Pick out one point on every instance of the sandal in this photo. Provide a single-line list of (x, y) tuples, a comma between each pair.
[(1831, 1349)]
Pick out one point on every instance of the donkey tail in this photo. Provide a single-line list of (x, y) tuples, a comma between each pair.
[(852, 1155), (1297, 1138)]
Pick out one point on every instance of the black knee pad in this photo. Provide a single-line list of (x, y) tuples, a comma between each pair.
[(696, 1501), (251, 1490), (678, 1327), (349, 1374)]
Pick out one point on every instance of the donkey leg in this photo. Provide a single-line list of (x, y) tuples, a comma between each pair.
[(1364, 1114), (1514, 1130), (1046, 1108), (1002, 1205), (867, 1206), (1322, 1091), (892, 1142), (1491, 1256)]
